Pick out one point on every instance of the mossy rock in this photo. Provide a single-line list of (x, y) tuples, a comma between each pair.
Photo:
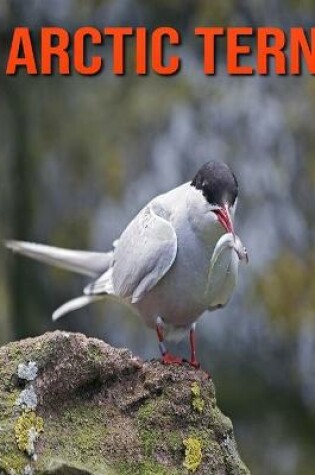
[(74, 405)]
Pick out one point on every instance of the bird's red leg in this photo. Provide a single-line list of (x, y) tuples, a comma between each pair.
[(167, 358), (192, 340)]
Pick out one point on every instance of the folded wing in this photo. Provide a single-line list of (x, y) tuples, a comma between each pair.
[(145, 252)]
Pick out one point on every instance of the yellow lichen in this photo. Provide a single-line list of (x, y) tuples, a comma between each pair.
[(193, 453), (27, 429), (197, 401)]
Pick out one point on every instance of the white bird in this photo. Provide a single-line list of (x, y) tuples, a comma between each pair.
[(176, 259)]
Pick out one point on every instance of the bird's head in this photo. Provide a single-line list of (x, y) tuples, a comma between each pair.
[(219, 188)]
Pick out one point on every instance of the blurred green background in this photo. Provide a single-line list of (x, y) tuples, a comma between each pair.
[(80, 156)]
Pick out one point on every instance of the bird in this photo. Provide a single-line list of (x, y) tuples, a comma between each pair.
[(177, 258)]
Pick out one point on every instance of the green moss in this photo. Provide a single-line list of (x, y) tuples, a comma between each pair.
[(95, 353), (12, 462), (147, 434), (149, 441), (88, 440), (220, 423), (18, 434), (144, 468), (7, 404), (60, 466), (146, 411), (193, 453), (84, 426), (27, 429), (98, 432), (155, 440), (11, 459), (173, 440), (8, 368), (153, 419), (197, 401)]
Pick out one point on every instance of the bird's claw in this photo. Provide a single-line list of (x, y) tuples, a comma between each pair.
[(168, 358), (194, 363)]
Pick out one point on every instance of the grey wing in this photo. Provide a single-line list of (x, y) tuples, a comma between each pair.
[(144, 253)]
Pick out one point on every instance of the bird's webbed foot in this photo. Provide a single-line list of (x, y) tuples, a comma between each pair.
[(168, 358), (194, 363)]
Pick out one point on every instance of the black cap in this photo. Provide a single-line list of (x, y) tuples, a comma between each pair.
[(217, 183)]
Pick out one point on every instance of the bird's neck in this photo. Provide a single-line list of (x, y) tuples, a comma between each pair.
[(201, 219)]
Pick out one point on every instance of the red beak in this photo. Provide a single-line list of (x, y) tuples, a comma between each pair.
[(224, 219)]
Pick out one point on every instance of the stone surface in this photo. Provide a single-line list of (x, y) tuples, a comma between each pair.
[(99, 410)]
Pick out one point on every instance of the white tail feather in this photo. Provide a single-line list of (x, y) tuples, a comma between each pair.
[(103, 285), (74, 304), (88, 263)]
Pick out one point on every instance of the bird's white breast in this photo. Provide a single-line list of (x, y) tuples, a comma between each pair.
[(183, 294)]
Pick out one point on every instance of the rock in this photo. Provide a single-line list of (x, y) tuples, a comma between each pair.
[(74, 405)]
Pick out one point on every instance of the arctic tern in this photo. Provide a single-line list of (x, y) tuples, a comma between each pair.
[(176, 259)]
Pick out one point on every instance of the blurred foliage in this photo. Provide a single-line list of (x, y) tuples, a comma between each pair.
[(287, 289)]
